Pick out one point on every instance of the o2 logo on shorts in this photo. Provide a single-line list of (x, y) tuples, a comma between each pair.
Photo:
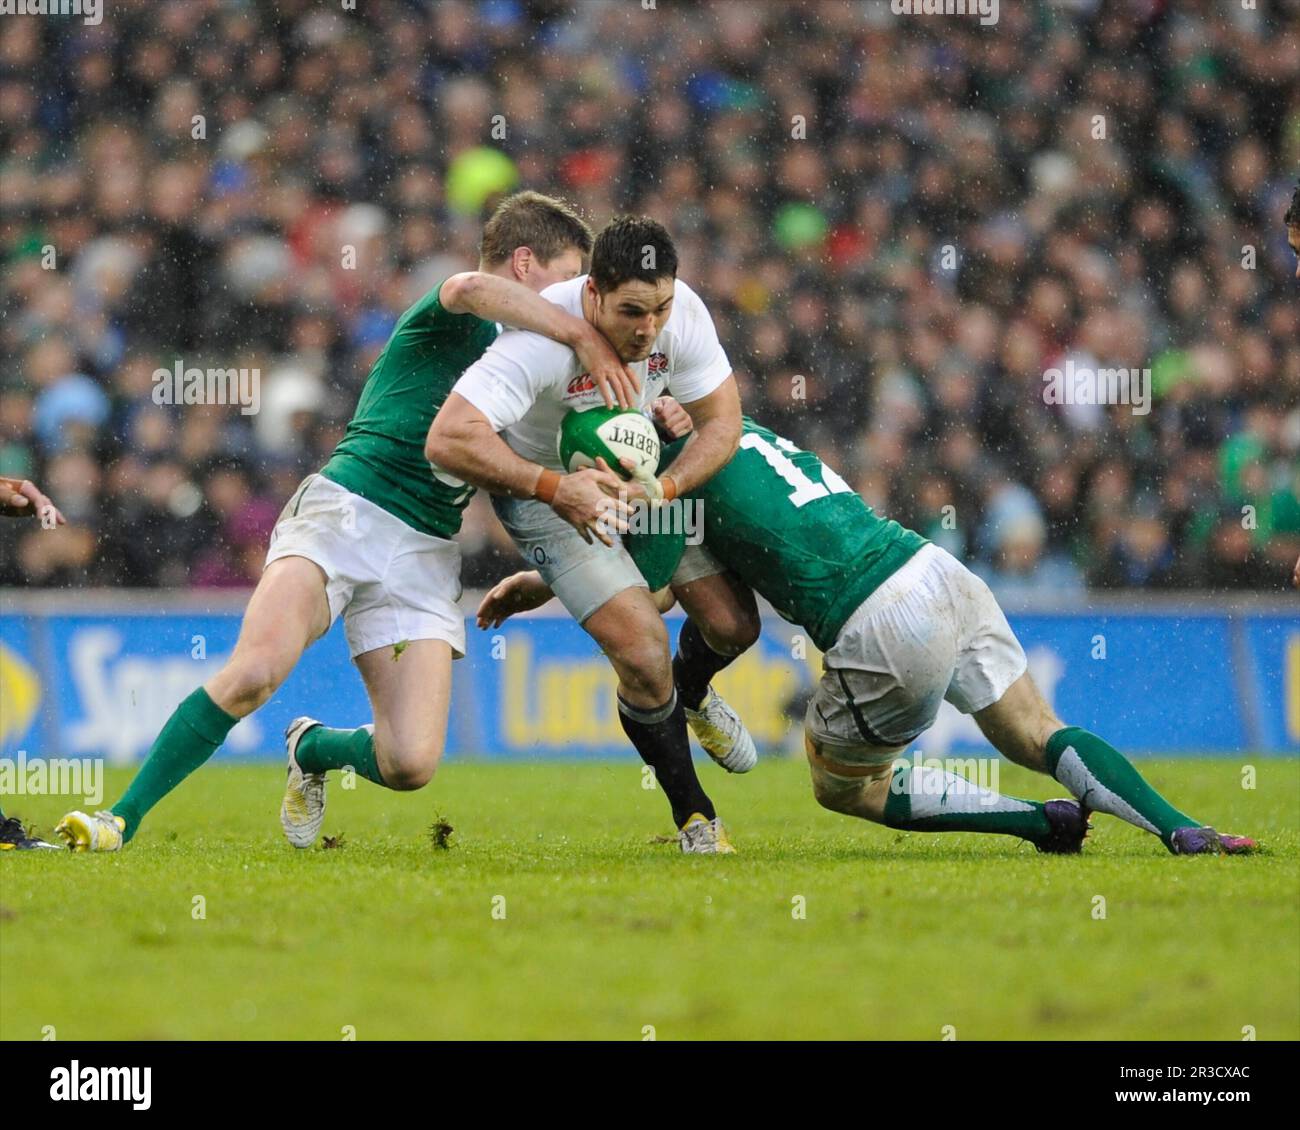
[(539, 555)]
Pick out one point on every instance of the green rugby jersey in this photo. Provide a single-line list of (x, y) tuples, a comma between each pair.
[(381, 455), (795, 532)]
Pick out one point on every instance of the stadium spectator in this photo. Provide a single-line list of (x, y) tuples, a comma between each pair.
[(901, 225)]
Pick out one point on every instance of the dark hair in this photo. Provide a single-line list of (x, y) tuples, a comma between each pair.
[(545, 225), (632, 247), (1292, 217)]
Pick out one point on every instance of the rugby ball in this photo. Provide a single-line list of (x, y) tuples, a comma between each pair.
[(611, 434)]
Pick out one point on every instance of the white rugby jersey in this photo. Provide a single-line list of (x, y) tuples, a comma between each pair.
[(525, 382)]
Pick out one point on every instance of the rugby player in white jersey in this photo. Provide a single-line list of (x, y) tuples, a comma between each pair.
[(497, 430)]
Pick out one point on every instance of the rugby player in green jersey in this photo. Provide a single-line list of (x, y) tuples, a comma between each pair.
[(368, 538), (903, 625)]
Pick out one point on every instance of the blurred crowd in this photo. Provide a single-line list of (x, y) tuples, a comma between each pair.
[(900, 224)]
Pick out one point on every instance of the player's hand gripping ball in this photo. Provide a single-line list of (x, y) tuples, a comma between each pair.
[(613, 434)]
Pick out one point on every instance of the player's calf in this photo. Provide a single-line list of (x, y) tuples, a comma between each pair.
[(632, 634), (1025, 729), (1020, 724), (402, 765), (721, 606), (722, 623)]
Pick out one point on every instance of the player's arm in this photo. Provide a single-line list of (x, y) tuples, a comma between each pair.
[(716, 424), (522, 592), (495, 299), (463, 441), (20, 498)]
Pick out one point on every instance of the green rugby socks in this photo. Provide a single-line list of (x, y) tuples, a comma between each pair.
[(925, 799), (321, 749), (190, 736), (1103, 779)]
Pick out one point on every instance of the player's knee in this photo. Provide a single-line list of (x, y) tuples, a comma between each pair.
[(410, 766), (837, 794), (652, 682), (643, 666), (408, 778), (730, 631)]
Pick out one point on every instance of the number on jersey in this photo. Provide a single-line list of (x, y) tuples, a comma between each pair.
[(805, 490)]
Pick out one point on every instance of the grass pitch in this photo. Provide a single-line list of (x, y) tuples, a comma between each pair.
[(552, 915)]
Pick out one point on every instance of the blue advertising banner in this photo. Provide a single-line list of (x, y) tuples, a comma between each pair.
[(102, 684)]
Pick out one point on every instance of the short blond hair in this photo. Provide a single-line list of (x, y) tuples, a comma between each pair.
[(544, 224)]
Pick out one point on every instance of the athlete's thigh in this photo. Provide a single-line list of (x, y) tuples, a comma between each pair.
[(603, 590), (287, 611), (990, 658), (410, 693), (1019, 723)]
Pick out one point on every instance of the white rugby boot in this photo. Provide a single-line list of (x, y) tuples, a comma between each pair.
[(700, 836), (302, 811), (101, 832), (721, 734)]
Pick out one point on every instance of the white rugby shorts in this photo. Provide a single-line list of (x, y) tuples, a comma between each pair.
[(391, 582), (932, 631), (583, 575)]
